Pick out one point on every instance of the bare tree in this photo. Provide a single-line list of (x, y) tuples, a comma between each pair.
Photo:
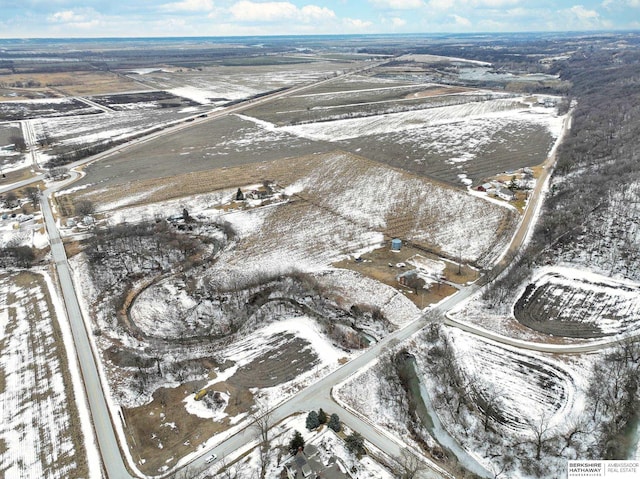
[(33, 194), (488, 400), (574, 430), (263, 421), (542, 432), (10, 200), (18, 143), (409, 465), (83, 207)]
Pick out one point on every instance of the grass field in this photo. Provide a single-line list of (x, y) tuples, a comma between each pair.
[(434, 131), (53, 85), (40, 434)]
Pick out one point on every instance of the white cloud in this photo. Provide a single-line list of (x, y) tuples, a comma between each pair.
[(398, 22), (188, 6), (84, 19), (248, 11), (441, 4), (66, 16), (584, 15), (578, 17), (461, 21), (314, 12), (398, 4), (356, 24), (494, 3)]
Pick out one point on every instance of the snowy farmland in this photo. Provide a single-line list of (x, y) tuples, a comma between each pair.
[(528, 384), (370, 202), (10, 158), (458, 138), (82, 131), (40, 433), (506, 396), (515, 402), (221, 84), (561, 304), (575, 303)]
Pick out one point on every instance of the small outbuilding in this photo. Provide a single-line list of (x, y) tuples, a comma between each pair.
[(396, 244), (505, 194)]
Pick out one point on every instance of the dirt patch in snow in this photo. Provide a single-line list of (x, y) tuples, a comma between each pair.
[(287, 358), (386, 266)]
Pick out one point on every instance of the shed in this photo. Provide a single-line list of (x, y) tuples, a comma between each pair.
[(396, 244)]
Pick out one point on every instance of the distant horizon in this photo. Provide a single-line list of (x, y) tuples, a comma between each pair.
[(330, 35), (247, 18)]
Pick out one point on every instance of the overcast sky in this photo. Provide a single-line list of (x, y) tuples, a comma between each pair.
[(137, 18)]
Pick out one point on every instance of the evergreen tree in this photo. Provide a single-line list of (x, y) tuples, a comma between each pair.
[(334, 423), (355, 444), (239, 195), (322, 416), (296, 443), (312, 421)]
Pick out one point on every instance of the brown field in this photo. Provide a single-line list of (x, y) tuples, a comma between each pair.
[(284, 172), (54, 85), (165, 422), (15, 176), (437, 91)]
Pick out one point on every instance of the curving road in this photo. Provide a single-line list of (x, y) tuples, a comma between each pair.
[(312, 397)]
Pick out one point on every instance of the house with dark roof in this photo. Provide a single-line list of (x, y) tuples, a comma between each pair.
[(307, 465)]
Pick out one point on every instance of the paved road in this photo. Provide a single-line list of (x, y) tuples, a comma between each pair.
[(177, 125), (111, 457), (318, 394)]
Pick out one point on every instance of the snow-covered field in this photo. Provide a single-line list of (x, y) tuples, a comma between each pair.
[(259, 344), (532, 397), (528, 384), (566, 302), (39, 432), (107, 126), (406, 206), (23, 230), (357, 289), (10, 159), (585, 300), (526, 392), (217, 85), (476, 136), (491, 110)]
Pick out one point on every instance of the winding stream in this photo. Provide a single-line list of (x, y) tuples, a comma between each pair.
[(431, 421)]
